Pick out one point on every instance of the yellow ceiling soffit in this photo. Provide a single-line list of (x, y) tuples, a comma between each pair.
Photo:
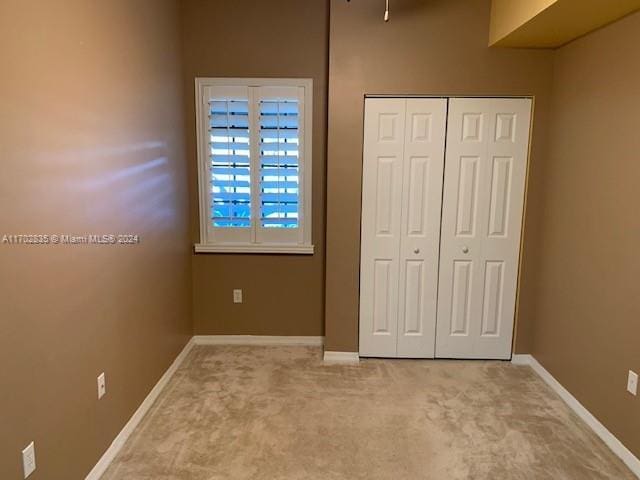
[(551, 23)]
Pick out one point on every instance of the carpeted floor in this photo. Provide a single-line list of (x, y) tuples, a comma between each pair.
[(269, 413)]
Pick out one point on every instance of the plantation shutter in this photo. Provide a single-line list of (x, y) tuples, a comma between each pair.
[(254, 165), (280, 122), (229, 149)]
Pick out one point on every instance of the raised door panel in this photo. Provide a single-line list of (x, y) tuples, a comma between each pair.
[(467, 198), (500, 196), (418, 207), (461, 287), (382, 316), (413, 297), (386, 173), (492, 299)]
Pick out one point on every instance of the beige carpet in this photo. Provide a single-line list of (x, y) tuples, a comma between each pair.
[(280, 413)]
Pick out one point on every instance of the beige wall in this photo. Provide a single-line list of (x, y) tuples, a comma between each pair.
[(509, 15), (255, 38), (588, 309), (434, 47), (551, 23), (91, 141)]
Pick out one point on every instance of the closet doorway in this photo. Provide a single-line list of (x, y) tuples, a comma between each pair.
[(442, 205)]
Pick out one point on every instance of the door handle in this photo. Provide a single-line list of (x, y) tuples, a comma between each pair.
[(465, 249), (416, 251)]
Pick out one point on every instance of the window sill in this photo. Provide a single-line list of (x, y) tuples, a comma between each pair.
[(254, 248)]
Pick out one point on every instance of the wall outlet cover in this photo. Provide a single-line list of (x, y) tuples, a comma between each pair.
[(29, 459), (102, 385), (632, 383), (237, 296)]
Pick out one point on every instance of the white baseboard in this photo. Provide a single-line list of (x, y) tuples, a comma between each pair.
[(133, 422), (341, 357), (257, 340), (521, 359), (605, 435)]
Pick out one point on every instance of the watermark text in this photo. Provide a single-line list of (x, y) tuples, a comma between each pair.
[(70, 239)]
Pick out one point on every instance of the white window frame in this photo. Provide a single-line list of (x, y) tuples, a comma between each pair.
[(214, 239)]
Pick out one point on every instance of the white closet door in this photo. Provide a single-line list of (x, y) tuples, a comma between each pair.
[(486, 159), (402, 185), (420, 226), (380, 234)]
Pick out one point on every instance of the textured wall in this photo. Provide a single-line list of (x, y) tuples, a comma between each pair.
[(588, 309), (91, 141), (283, 294), (434, 47)]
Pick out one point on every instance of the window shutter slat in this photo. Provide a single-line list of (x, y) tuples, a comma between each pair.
[(229, 121), (226, 196), (281, 160), (284, 198), (229, 145), (235, 221), (225, 159), (238, 132), (281, 133), (279, 108), (279, 148), (229, 171), (280, 222), (278, 185), (233, 183), (279, 121), (280, 171)]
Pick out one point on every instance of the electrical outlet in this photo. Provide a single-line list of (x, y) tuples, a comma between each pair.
[(102, 385), (237, 296), (632, 383), (29, 459)]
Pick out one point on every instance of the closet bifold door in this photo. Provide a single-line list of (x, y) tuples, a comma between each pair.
[(484, 182), (403, 161)]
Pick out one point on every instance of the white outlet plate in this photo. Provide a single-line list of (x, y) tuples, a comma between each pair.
[(237, 296), (632, 383), (102, 385), (29, 459)]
